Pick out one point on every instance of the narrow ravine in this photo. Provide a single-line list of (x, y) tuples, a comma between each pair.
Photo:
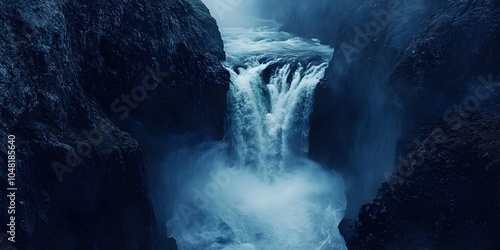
[(267, 194)]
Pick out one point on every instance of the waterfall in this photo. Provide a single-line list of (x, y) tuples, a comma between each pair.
[(258, 190)]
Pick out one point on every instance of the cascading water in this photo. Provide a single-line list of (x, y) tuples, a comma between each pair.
[(258, 190)]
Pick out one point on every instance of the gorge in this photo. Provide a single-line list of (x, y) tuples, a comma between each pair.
[(328, 124)]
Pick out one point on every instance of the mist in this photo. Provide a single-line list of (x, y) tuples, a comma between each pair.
[(219, 205), (232, 12)]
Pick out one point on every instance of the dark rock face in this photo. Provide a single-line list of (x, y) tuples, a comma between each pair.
[(63, 64), (444, 60), (174, 42), (447, 199), (448, 202)]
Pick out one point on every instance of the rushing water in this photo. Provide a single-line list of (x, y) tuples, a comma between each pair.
[(258, 190)]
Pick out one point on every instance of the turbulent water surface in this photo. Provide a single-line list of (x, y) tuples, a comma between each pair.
[(258, 190)]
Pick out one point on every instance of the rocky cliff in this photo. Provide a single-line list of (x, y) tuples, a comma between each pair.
[(445, 194), (74, 75)]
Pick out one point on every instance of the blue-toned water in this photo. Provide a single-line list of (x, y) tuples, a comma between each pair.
[(258, 190)]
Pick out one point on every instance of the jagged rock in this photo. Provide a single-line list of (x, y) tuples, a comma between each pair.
[(445, 195), (62, 65)]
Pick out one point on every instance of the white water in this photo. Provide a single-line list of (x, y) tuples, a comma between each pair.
[(259, 191)]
